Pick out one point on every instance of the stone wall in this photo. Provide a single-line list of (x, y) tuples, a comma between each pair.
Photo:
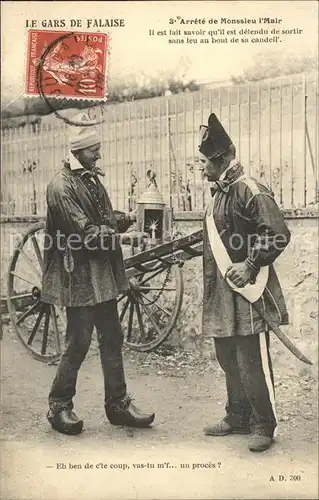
[(297, 269)]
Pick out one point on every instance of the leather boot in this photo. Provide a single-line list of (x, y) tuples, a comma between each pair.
[(124, 412), (260, 442), (222, 428), (65, 421)]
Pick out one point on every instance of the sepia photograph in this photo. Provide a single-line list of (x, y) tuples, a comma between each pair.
[(159, 250)]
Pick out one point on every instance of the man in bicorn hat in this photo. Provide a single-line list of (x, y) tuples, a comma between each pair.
[(244, 227), (84, 271)]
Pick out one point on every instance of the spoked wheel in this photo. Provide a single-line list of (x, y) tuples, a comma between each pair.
[(39, 326), (150, 309)]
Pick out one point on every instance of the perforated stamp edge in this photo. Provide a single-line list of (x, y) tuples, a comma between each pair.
[(108, 54)]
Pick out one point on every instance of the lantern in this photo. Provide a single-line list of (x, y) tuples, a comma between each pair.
[(153, 216)]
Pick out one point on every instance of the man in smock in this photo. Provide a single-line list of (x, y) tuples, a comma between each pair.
[(84, 272), (244, 232)]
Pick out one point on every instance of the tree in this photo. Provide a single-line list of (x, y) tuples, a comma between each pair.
[(21, 111), (270, 65), (136, 87)]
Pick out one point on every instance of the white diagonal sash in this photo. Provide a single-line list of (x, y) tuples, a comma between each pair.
[(250, 292)]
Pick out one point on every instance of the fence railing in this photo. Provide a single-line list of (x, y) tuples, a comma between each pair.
[(274, 125)]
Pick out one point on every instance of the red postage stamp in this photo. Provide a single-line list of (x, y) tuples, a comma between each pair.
[(67, 64)]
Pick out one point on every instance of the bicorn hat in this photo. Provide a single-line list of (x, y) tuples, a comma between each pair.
[(214, 139)]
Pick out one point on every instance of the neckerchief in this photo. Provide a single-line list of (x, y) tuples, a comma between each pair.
[(228, 177)]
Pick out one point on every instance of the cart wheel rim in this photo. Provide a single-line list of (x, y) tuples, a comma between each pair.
[(149, 311), (38, 326)]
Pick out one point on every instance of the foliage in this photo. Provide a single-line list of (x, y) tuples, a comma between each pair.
[(270, 65), (133, 87), (142, 87)]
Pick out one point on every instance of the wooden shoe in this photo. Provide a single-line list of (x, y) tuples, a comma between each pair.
[(124, 412), (65, 421)]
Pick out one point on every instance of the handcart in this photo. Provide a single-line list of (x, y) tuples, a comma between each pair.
[(148, 311)]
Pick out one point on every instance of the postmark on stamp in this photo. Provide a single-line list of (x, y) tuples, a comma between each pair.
[(69, 65)]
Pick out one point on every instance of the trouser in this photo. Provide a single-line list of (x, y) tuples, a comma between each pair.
[(249, 380), (80, 324)]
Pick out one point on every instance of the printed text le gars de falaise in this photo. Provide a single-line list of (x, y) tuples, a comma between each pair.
[(75, 23)]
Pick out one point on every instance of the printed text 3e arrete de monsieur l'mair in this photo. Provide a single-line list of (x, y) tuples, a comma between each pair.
[(120, 23)]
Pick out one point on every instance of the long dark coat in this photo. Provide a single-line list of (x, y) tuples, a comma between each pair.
[(98, 275), (249, 211)]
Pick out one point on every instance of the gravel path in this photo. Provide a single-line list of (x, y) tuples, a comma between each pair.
[(172, 460)]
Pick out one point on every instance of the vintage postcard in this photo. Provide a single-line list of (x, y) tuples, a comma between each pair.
[(159, 265)]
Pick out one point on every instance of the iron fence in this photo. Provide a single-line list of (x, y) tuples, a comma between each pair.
[(274, 125)]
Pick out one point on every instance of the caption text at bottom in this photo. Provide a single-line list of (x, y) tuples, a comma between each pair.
[(142, 465)]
